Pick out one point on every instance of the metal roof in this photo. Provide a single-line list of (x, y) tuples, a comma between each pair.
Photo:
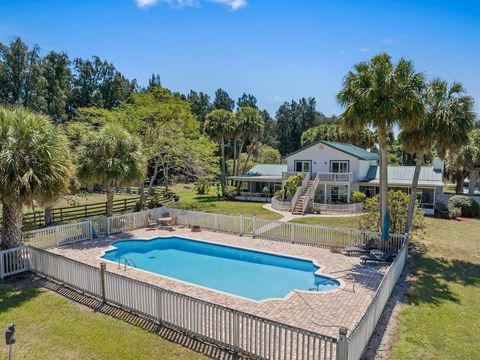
[(350, 149), (403, 175), (266, 170)]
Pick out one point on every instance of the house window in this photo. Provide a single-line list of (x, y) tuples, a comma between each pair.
[(303, 165), (338, 194), (339, 166)]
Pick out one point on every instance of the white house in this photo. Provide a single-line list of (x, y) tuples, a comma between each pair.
[(333, 170)]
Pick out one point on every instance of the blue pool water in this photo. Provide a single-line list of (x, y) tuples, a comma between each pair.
[(251, 274)]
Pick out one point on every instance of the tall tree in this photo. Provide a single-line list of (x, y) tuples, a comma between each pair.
[(223, 101), (200, 105), (468, 159), (269, 136), (446, 123), (111, 157), (381, 94), (34, 167), (335, 132), (247, 100), (219, 124), (57, 75)]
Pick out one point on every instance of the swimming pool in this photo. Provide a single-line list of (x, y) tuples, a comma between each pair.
[(247, 273)]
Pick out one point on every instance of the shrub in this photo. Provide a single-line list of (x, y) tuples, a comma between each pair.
[(359, 197), (280, 195), (230, 192), (397, 207), (468, 206), (292, 184), (202, 186), (454, 211)]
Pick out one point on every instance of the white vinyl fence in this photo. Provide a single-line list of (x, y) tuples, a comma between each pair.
[(339, 208), (13, 261), (59, 235), (235, 330), (361, 334)]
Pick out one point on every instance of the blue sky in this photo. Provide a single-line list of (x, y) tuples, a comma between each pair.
[(277, 50)]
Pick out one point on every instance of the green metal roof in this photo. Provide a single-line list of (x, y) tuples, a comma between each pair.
[(266, 169), (405, 174), (350, 149)]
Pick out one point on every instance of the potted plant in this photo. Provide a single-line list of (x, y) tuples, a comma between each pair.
[(196, 228)]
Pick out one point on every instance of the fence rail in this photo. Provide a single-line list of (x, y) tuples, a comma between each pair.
[(238, 331)]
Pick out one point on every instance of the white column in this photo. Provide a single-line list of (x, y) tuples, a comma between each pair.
[(325, 194), (348, 193)]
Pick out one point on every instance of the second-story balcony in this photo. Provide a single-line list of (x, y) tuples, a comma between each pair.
[(334, 177)]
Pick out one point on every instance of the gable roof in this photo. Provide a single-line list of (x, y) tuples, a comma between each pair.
[(403, 175), (349, 149), (267, 170)]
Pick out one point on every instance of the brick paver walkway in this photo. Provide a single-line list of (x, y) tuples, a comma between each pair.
[(320, 312)]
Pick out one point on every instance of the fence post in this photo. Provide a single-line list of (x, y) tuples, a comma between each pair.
[(254, 225), (103, 267), (2, 265), (56, 235), (292, 231), (342, 344), (241, 224), (90, 229), (108, 226), (236, 335)]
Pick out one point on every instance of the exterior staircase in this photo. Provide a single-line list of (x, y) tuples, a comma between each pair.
[(299, 205)]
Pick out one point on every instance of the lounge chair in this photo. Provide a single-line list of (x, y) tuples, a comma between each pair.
[(379, 256), (152, 223), (369, 246)]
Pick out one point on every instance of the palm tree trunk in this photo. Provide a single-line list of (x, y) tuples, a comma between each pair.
[(48, 216), (142, 194), (382, 142), (110, 193), (459, 182), (252, 146), (472, 181), (12, 218), (242, 144), (234, 170), (413, 191), (222, 155), (153, 178)]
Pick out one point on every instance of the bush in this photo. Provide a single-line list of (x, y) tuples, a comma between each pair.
[(359, 197), (202, 186), (230, 192), (397, 207), (292, 184), (280, 195), (468, 206), (454, 211)]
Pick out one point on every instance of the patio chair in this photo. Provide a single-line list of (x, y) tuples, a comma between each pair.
[(379, 256), (152, 223), (369, 246)]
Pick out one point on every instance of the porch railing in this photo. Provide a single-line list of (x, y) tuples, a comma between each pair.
[(339, 208), (335, 177)]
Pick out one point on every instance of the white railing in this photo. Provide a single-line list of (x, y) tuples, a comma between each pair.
[(335, 177), (363, 330), (310, 195), (300, 190), (59, 235), (13, 261), (238, 331), (339, 208)]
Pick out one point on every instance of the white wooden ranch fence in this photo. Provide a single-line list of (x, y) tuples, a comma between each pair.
[(238, 331)]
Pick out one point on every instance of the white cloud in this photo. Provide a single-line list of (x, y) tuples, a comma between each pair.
[(232, 4), (388, 41), (274, 99), (364, 49)]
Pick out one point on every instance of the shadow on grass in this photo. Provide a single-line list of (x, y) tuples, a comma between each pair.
[(433, 276), (15, 291)]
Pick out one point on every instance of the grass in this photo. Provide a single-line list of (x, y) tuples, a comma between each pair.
[(210, 202), (51, 327), (333, 221), (441, 317)]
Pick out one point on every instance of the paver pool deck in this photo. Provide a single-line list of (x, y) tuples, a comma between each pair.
[(324, 313)]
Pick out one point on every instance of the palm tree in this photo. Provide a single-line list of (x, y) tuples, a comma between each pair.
[(380, 94), (219, 125), (111, 157), (469, 159), (446, 123), (250, 127), (35, 166)]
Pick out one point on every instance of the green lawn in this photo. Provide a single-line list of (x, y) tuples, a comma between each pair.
[(189, 200), (333, 221), (51, 327), (442, 317)]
